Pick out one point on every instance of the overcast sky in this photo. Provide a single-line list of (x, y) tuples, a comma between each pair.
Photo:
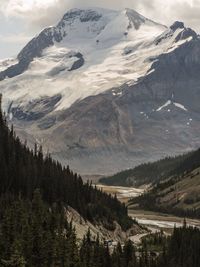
[(20, 20)]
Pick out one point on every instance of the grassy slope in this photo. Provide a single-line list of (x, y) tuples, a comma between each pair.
[(178, 195), (184, 194), (175, 185)]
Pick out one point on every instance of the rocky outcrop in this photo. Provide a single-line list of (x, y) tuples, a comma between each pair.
[(35, 109), (184, 33), (177, 25), (82, 226)]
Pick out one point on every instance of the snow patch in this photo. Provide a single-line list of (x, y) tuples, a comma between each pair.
[(168, 103), (116, 93), (178, 105), (165, 105)]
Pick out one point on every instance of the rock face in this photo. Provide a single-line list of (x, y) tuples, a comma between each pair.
[(102, 95), (177, 25), (36, 109), (82, 226)]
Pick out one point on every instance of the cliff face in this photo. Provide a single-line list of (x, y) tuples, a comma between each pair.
[(82, 226)]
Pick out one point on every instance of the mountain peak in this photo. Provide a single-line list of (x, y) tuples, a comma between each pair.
[(84, 15), (185, 33), (135, 18), (95, 14), (177, 25)]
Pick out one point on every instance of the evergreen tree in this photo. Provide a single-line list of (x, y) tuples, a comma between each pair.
[(16, 258)]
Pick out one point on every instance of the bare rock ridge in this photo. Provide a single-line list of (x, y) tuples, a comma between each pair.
[(117, 235)]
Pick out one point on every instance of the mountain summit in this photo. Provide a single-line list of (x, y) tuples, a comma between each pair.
[(78, 27), (104, 90)]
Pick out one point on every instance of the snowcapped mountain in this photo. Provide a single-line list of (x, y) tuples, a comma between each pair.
[(104, 90), (89, 48)]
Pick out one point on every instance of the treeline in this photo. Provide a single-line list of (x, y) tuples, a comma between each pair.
[(23, 170), (35, 234), (157, 171), (182, 249)]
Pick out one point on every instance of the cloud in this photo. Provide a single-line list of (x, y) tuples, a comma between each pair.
[(15, 38), (39, 14)]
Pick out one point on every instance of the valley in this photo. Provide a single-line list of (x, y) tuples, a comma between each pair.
[(99, 141), (154, 221), (123, 193)]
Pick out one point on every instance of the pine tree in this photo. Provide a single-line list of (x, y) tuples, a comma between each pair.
[(16, 258)]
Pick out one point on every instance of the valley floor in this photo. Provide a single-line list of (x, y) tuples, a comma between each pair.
[(122, 193), (154, 221)]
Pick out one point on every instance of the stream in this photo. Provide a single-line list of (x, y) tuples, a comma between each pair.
[(152, 220)]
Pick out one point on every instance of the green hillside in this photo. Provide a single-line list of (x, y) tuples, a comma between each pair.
[(179, 195), (34, 194), (154, 172), (22, 171)]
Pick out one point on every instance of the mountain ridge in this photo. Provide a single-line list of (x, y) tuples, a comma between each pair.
[(106, 97)]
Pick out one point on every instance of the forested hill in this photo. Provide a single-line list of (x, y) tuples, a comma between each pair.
[(22, 171), (179, 195), (157, 171)]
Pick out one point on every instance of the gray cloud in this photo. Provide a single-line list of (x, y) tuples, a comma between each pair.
[(52, 14), (14, 38), (163, 11)]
